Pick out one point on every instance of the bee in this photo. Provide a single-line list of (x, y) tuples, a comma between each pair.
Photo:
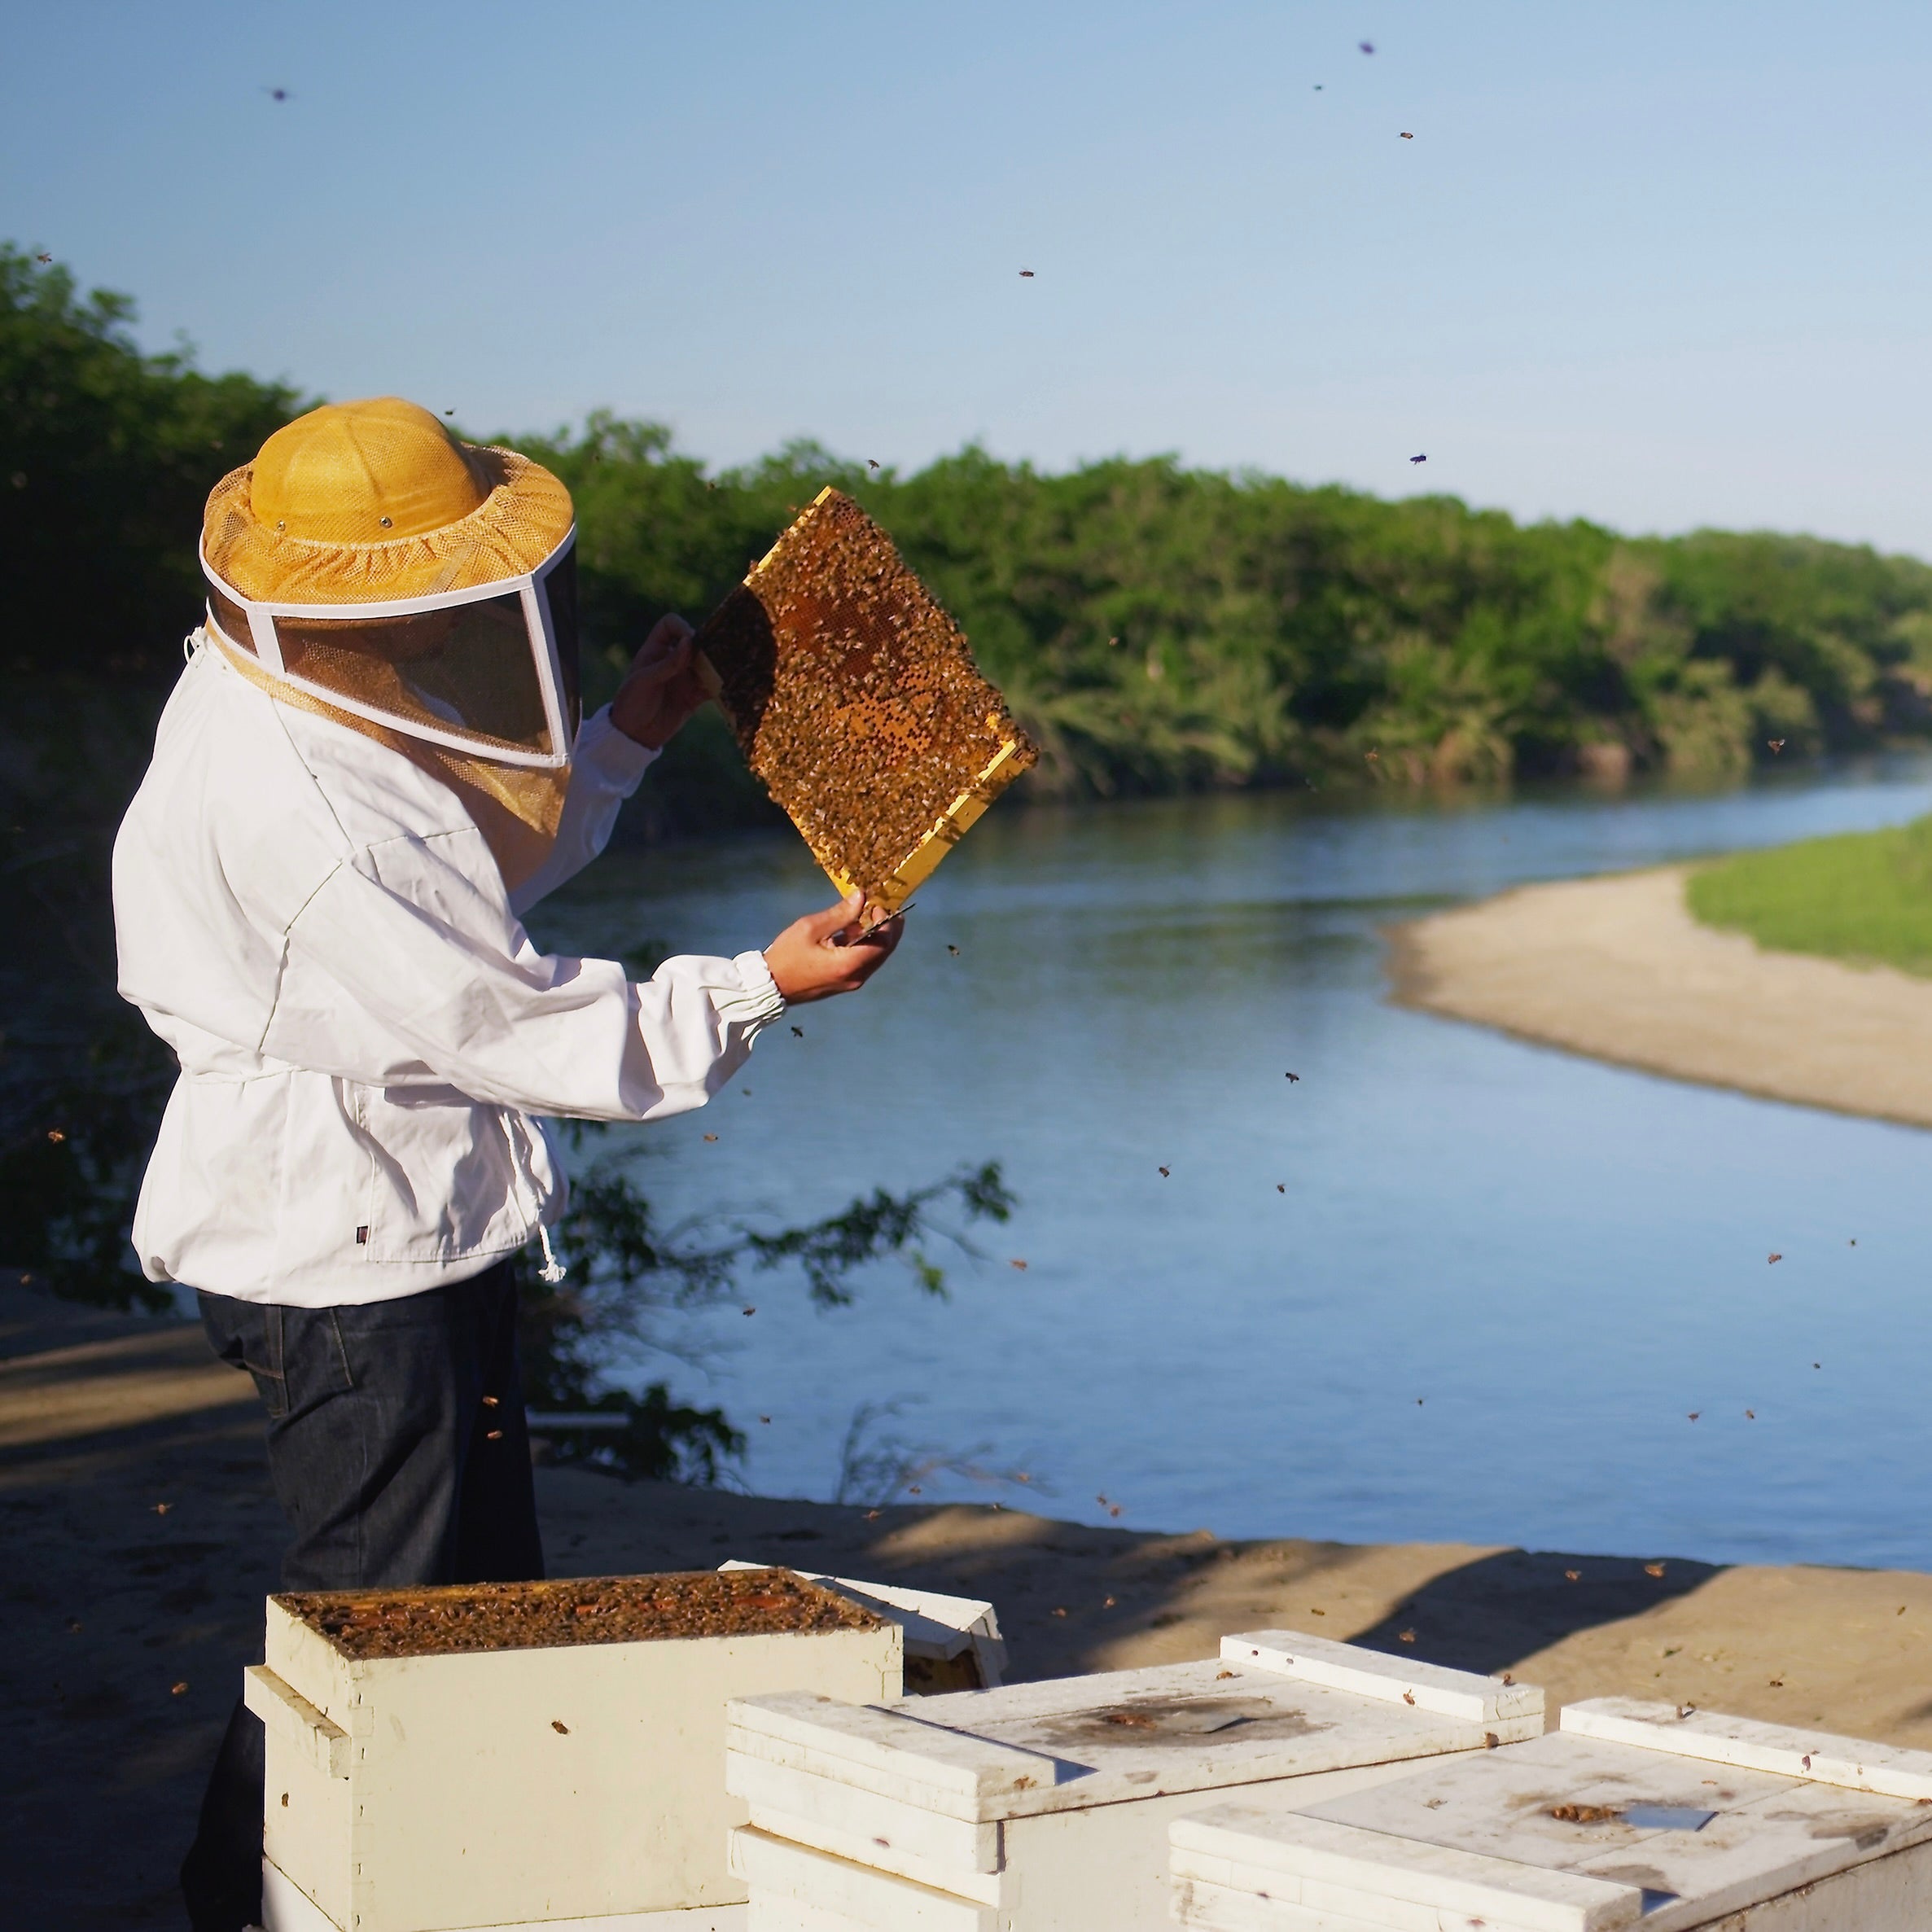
[(1164, 1176), (179, 1689), (751, 1311), (1026, 274), (1507, 1678), (1017, 1262), (1695, 1413), (162, 1508), (1373, 757), (276, 94), (1418, 1402), (872, 463), (1296, 1077), (492, 1436), (797, 1033), (1777, 1684), (1750, 1415), (559, 1726), (872, 1516), (1060, 1611), (1574, 1576), (1817, 1364), (1109, 1604), (1769, 1259), (953, 950), (765, 1419), (1424, 458), (914, 1491), (1408, 1697), (711, 1136), (1368, 47), (1281, 1187), (1654, 1570), (43, 260), (1313, 1612), (1409, 137), (1405, 1636), (1777, 744)]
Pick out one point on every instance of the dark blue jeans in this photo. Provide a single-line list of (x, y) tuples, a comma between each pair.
[(399, 1452)]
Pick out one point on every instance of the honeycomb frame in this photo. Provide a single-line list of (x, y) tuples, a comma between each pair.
[(831, 652)]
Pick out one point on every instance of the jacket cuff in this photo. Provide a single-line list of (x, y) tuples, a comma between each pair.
[(619, 763), (763, 1002)]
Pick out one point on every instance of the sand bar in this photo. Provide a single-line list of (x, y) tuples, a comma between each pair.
[(1617, 968), (113, 1602)]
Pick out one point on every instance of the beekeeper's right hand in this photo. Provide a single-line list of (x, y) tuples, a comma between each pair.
[(822, 954)]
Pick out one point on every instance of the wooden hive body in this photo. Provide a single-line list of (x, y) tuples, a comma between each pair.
[(417, 1784), (1630, 1815), (1044, 1808), (855, 699)]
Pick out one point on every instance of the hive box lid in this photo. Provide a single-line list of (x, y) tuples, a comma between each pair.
[(1574, 1832), (1262, 1711), (938, 1628)]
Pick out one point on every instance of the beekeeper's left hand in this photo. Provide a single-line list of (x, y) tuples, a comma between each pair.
[(661, 689)]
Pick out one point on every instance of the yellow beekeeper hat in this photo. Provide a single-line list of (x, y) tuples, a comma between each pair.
[(419, 590), (367, 501)]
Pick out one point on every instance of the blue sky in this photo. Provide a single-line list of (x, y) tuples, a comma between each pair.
[(1657, 265)]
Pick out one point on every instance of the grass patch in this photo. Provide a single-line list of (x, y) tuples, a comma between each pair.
[(1865, 897)]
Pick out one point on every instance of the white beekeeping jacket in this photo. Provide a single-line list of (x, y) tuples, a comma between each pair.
[(317, 929)]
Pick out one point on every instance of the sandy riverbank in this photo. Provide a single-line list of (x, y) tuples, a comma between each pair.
[(1617, 968), (110, 1602)]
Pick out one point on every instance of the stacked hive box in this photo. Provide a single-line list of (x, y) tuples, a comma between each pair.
[(1630, 1814), (1044, 1808), (504, 1754)]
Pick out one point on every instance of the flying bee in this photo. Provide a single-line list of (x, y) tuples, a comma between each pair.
[(1777, 744), (1654, 1570), (1296, 1077), (1408, 137), (1026, 274), (1017, 1262), (711, 1136), (1574, 1576), (797, 1033), (1769, 1259), (1163, 1173)]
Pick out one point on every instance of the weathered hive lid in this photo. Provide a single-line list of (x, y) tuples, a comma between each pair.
[(1631, 1812), (855, 699), (1276, 1704), (464, 1618)]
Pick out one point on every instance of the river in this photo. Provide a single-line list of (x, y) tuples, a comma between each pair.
[(1443, 1285)]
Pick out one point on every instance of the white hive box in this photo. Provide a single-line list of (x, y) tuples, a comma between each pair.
[(514, 1754), (952, 1643), (1629, 1815), (1044, 1807)]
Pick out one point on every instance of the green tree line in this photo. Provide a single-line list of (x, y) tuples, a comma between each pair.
[(1157, 628)]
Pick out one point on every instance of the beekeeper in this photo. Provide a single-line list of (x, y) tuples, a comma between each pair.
[(371, 768)]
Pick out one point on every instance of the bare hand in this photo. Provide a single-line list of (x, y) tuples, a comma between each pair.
[(824, 953), (662, 688)]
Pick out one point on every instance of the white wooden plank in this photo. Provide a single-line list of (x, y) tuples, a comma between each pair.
[(893, 1781), (1393, 1680), (773, 1866), (971, 1766), (1369, 1864), (1787, 1841), (1819, 1757), (886, 1829), (1204, 1907), (321, 1740)]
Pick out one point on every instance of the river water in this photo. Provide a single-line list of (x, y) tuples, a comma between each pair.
[(1446, 1285)]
